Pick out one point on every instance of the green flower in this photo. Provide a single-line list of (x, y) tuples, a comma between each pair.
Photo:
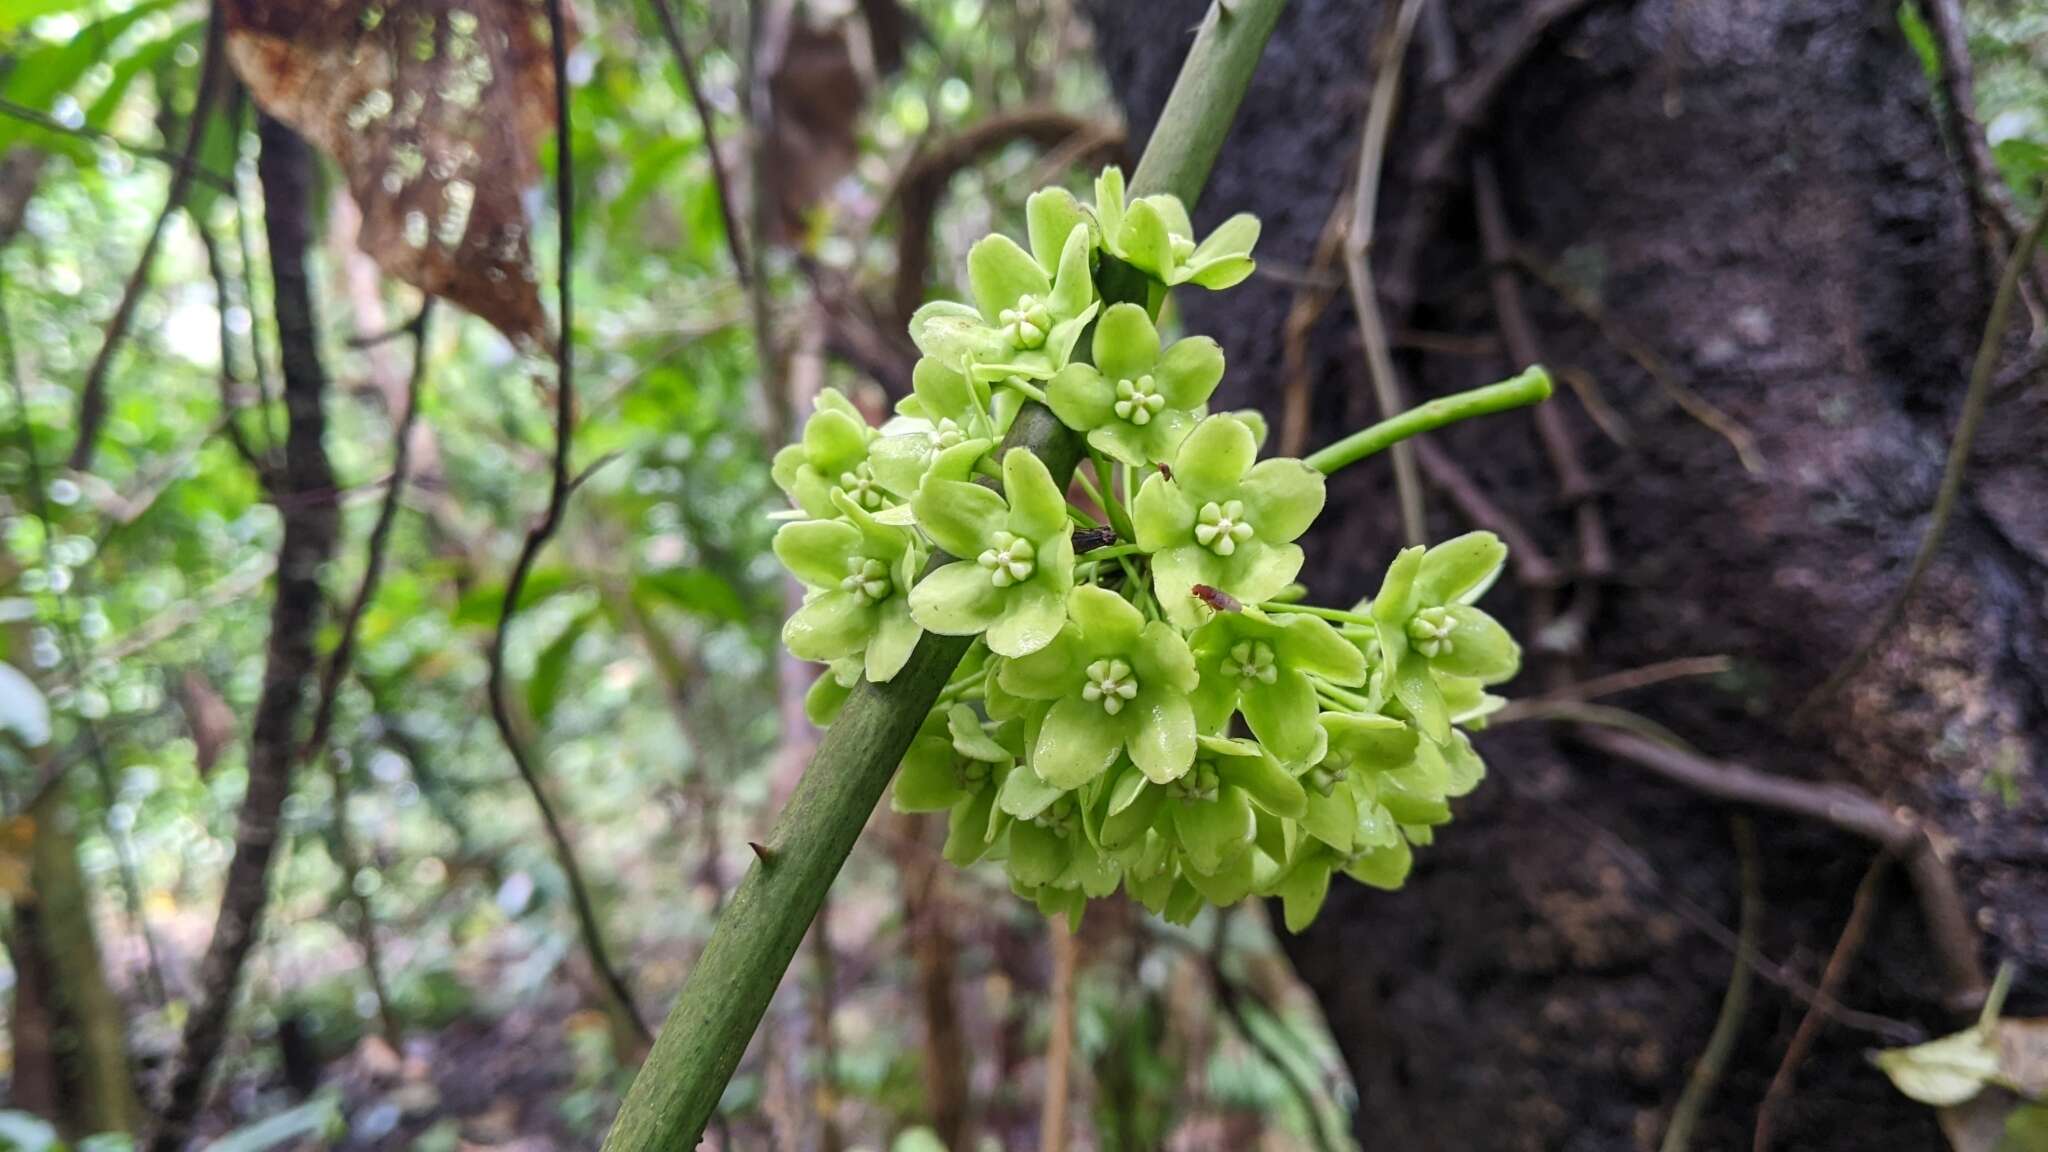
[(859, 573), (1117, 683), (1307, 881), (1049, 846), (1211, 810), (1261, 665), (1016, 558), (832, 455), (1136, 403), (1024, 322), (945, 409), (1154, 235), (1224, 521), (955, 764), (1343, 807), (1428, 628)]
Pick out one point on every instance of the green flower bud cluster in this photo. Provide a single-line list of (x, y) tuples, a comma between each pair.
[(1145, 704)]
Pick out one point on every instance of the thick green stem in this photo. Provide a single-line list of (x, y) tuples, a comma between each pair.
[(732, 983), (1531, 387)]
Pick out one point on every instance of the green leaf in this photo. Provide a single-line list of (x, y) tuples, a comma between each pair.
[(1943, 1072), (699, 590), (316, 1118), (545, 688)]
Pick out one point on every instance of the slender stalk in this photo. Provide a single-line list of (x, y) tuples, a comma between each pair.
[(1531, 387), (722, 1002)]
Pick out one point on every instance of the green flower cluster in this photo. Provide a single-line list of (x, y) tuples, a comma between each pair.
[(1145, 704)]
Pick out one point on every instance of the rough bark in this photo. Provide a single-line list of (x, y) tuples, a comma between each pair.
[(1759, 192), (305, 496)]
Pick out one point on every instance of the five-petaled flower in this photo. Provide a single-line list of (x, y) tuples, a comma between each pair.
[(1263, 666), (1135, 402), (1223, 521), (1016, 557), (859, 572), (1116, 684)]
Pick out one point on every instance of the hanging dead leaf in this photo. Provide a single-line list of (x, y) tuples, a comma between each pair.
[(208, 716), (815, 91), (17, 843), (434, 110)]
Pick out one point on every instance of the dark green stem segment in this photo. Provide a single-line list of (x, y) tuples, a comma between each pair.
[(729, 988), (1531, 387)]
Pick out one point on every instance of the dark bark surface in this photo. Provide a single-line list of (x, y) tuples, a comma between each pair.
[(1758, 191), (305, 494)]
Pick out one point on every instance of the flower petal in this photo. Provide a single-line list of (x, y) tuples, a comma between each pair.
[(1050, 215), (1212, 831), (958, 599), (1260, 573), (927, 781), (1384, 868), (968, 832), (1416, 689), (1460, 569), (1109, 201), (895, 636), (1331, 818), (999, 272), (1189, 370), (1163, 744), (1038, 509), (1077, 743), (1046, 674), (1108, 623), (1027, 620), (1283, 715), (1037, 856), (957, 515), (1213, 460), (815, 551), (1081, 398), (1480, 648), (1072, 288), (1145, 237), (1123, 443), (953, 332), (1313, 645), (1024, 795), (1303, 891), (1126, 344), (1175, 572), (829, 625), (1283, 497)]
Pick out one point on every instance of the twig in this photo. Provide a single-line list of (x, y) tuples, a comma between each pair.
[(1311, 299), (1531, 387), (1778, 975), (1706, 1075), (179, 162), (1975, 400), (1533, 567), (1862, 912), (1358, 276), (559, 488), (1949, 929), (1602, 413), (1467, 108), (1059, 1048), (672, 31), (1615, 683), (72, 648), (1739, 437), (311, 521), (229, 379), (92, 395), (1998, 215), (337, 669)]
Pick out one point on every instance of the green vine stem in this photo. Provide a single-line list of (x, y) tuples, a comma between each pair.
[(1531, 387), (729, 988)]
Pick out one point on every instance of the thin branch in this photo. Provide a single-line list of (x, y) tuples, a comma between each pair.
[(1706, 1075), (1533, 567), (1739, 437), (306, 501), (1468, 106), (1862, 912), (229, 378), (1358, 276), (672, 31), (92, 395), (1975, 401), (561, 484), (1778, 975), (1949, 928), (1059, 1048), (337, 668), (1615, 683), (181, 162), (1311, 300)]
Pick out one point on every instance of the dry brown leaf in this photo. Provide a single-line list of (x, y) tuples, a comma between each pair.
[(17, 844), (208, 716), (434, 110), (816, 89)]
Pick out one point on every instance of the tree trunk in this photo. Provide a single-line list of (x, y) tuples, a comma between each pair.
[(1759, 193), (70, 1054)]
